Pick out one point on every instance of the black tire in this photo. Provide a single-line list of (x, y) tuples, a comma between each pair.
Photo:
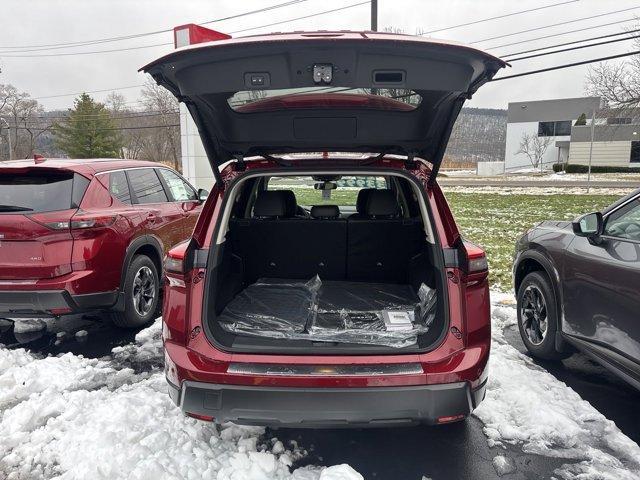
[(538, 325), (141, 300)]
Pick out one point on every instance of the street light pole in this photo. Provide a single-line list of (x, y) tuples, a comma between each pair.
[(8, 137), (374, 15), (593, 124)]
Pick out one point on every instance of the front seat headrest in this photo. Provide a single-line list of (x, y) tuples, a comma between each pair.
[(361, 202), (275, 204), (326, 212), (382, 203)]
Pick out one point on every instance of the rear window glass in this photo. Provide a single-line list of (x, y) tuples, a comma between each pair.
[(146, 186), (119, 188), (253, 101), (344, 194), (38, 192)]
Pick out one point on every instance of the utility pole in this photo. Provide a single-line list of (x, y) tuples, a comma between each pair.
[(374, 15), (8, 137)]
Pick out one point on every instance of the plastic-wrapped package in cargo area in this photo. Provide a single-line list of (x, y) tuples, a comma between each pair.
[(382, 314)]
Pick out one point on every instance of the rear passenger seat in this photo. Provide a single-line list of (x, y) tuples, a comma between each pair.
[(376, 246), (381, 244), (277, 244)]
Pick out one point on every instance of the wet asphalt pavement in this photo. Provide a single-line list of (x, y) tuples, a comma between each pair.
[(457, 451)]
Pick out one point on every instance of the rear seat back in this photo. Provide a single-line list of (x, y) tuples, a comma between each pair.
[(377, 248), (381, 245), (276, 244)]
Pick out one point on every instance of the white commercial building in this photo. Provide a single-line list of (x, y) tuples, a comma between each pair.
[(546, 118)]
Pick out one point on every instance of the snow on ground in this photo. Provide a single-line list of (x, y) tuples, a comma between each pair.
[(533, 190), (525, 405), (70, 417)]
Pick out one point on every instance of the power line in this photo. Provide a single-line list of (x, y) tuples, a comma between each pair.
[(115, 128), (52, 46), (555, 24), (88, 91), (561, 34), (64, 54), (570, 43), (578, 47), (475, 22), (567, 65), (306, 16)]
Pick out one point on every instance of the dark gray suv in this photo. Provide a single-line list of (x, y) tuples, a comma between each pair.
[(578, 286)]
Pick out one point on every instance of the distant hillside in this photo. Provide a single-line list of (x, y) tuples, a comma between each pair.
[(478, 135)]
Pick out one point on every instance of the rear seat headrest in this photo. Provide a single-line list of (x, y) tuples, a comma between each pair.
[(361, 202), (382, 203), (326, 212), (275, 203)]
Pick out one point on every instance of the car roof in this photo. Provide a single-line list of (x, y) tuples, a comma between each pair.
[(85, 166)]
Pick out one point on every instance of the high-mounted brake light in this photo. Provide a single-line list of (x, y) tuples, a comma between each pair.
[(191, 34)]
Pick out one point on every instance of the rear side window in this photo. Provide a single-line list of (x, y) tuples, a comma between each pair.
[(36, 192), (180, 190), (119, 187), (146, 186)]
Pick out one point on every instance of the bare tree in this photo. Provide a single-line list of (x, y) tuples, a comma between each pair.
[(166, 139), (25, 119), (534, 147), (617, 84)]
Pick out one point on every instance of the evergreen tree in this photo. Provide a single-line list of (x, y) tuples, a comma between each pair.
[(582, 119), (88, 131)]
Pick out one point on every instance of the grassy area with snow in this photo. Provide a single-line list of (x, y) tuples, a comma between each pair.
[(495, 221)]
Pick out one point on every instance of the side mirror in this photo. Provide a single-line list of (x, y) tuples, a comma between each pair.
[(202, 194), (590, 225)]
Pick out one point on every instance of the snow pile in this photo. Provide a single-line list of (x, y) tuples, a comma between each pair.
[(29, 325), (74, 418), (146, 352), (527, 405)]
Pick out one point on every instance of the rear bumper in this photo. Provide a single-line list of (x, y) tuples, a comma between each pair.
[(327, 407), (28, 302)]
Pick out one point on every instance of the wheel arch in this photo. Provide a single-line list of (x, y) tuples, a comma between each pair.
[(536, 261), (143, 245)]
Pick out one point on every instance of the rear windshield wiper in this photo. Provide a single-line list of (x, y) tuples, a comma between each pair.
[(14, 208)]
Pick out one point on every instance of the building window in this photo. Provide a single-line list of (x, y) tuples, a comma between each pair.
[(635, 152), (619, 121), (554, 129)]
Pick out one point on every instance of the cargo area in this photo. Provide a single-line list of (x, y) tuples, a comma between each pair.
[(357, 277)]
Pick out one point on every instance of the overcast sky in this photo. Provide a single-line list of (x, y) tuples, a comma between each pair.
[(31, 23)]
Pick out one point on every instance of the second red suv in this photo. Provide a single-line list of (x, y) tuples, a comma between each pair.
[(83, 235), (326, 282)]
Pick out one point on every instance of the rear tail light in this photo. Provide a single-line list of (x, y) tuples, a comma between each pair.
[(174, 262), (476, 258), (79, 221)]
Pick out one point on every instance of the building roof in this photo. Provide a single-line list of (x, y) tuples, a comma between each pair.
[(551, 110)]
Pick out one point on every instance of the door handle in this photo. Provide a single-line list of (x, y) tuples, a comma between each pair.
[(151, 217)]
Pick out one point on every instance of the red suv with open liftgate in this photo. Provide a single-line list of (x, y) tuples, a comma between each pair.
[(85, 235), (325, 289)]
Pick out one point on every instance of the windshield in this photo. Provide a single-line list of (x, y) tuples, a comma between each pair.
[(35, 192)]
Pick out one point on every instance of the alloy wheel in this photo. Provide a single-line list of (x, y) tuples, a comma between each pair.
[(533, 314), (144, 291)]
